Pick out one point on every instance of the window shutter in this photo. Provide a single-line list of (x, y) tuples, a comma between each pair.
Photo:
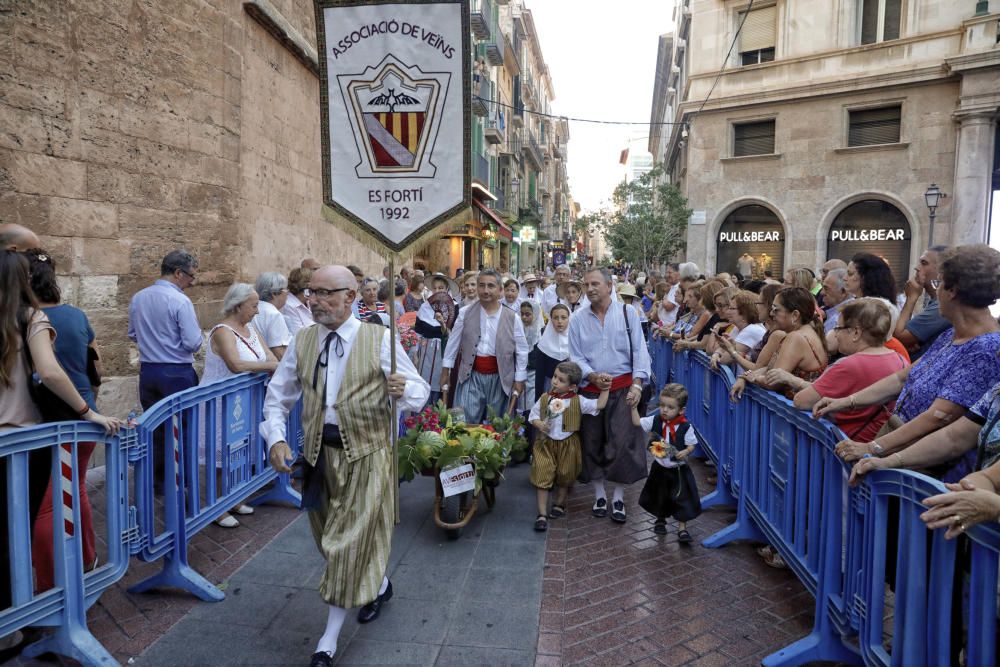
[(753, 138), (874, 126), (759, 29)]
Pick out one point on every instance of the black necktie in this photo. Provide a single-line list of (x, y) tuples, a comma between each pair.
[(324, 358)]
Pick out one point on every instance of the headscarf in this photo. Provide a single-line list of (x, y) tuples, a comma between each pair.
[(553, 344), (533, 332)]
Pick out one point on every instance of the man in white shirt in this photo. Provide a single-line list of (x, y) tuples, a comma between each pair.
[(549, 296), (349, 487), (295, 311), (494, 353)]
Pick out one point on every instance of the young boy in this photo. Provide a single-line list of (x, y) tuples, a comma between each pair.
[(557, 459), (670, 489)]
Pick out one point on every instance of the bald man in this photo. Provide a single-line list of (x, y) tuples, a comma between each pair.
[(18, 238), (341, 369)]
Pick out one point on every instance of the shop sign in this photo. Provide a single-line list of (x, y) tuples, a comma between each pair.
[(526, 235), (749, 237), (868, 235), (394, 98)]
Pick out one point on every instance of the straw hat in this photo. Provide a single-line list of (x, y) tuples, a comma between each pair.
[(572, 280), (452, 285), (627, 290), (529, 278)]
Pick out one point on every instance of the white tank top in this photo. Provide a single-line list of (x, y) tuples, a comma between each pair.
[(249, 349)]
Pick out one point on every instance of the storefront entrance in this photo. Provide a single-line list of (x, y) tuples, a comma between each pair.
[(875, 227), (750, 242)]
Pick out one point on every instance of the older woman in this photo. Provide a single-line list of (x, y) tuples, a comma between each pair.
[(709, 317), (743, 313), (273, 291), (368, 305), (469, 293), (802, 352), (24, 329), (759, 356), (234, 346), (954, 372), (295, 310), (690, 297), (864, 325)]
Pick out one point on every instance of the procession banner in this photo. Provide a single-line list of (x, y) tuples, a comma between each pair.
[(395, 105)]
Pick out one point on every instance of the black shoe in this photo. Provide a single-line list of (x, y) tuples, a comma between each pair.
[(660, 527), (321, 659), (541, 523), (683, 537), (370, 611), (600, 508), (618, 511)]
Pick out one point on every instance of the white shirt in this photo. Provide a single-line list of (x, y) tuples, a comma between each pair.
[(751, 335), (588, 406), (690, 440), (668, 317), (271, 325), (549, 299), (296, 313), (285, 388), (487, 346)]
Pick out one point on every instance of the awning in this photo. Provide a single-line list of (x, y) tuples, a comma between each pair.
[(503, 230)]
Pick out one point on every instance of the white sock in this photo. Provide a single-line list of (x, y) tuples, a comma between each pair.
[(618, 493), (385, 585), (599, 491), (334, 621)]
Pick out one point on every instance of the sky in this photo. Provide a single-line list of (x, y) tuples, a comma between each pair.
[(602, 60)]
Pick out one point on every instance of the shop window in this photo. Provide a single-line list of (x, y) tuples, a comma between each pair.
[(879, 19), (753, 138), (869, 127), (751, 241), (873, 226), (758, 35)]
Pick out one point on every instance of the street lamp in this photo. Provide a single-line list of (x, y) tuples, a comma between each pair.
[(932, 197)]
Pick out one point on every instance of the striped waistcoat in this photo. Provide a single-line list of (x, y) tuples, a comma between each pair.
[(570, 416), (362, 404)]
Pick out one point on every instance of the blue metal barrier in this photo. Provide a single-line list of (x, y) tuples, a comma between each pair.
[(226, 413), (64, 606)]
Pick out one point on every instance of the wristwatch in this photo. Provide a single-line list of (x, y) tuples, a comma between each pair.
[(876, 448)]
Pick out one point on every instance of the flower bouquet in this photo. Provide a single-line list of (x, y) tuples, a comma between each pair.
[(662, 450), (435, 439)]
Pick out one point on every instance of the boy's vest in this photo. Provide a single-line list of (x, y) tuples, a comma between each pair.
[(570, 416)]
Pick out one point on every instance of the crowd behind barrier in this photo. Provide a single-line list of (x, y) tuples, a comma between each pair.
[(227, 411), (778, 467)]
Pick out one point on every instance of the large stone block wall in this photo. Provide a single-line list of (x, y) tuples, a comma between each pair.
[(132, 127)]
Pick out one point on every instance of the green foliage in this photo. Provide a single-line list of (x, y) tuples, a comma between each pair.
[(649, 224)]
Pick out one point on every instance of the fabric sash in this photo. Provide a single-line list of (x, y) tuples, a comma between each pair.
[(486, 365)]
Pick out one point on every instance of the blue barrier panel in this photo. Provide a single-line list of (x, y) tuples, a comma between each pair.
[(714, 420), (193, 422), (64, 606), (661, 353)]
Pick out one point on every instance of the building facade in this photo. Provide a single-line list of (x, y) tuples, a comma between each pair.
[(818, 134)]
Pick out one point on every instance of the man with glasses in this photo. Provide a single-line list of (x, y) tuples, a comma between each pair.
[(162, 322), (341, 368), (917, 332), (835, 294)]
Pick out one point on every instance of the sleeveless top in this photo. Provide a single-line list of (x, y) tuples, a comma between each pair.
[(249, 349)]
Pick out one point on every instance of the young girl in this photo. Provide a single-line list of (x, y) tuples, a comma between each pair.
[(557, 459), (670, 489), (531, 318), (553, 347)]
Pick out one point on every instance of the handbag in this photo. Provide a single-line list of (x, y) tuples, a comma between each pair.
[(50, 406)]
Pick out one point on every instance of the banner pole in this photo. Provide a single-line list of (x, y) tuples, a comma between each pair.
[(394, 418)]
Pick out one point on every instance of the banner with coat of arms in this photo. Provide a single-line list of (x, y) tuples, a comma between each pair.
[(395, 86)]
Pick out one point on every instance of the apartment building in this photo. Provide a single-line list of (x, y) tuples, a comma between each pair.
[(822, 131)]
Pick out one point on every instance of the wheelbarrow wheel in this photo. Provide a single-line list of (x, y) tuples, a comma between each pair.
[(452, 509)]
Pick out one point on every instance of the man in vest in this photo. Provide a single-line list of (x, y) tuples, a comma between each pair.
[(494, 353), (605, 340), (341, 369)]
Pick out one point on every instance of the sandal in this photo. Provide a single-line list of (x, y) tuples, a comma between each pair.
[(776, 561), (558, 511), (683, 537), (242, 509), (764, 551), (227, 521), (660, 527), (541, 523)]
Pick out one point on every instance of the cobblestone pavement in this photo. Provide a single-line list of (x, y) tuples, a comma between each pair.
[(618, 594)]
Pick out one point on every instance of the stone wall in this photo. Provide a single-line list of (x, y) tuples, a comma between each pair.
[(131, 127)]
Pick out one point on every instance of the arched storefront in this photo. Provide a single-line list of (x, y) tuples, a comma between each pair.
[(873, 226), (751, 239)]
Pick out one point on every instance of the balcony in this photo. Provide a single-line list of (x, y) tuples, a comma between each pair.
[(481, 22), (480, 94), (533, 151), (528, 88), (494, 49), (495, 131), (481, 170), (557, 150)]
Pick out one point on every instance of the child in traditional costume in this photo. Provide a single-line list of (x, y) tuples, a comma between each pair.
[(670, 490), (557, 460)]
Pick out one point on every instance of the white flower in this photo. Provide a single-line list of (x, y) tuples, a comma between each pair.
[(557, 406)]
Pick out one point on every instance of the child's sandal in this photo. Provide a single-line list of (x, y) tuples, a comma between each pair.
[(683, 537), (558, 511), (541, 523)]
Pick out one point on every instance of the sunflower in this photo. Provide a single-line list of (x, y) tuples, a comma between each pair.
[(658, 449)]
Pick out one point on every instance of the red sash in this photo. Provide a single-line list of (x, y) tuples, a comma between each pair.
[(486, 365), (620, 382)]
